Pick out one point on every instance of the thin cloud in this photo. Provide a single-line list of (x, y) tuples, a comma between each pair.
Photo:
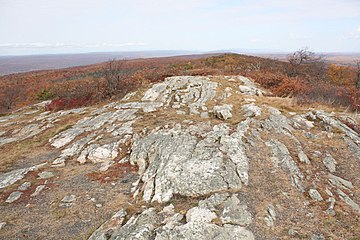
[(256, 40), (40, 45), (298, 38), (352, 35)]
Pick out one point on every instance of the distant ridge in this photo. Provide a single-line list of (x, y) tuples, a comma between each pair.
[(17, 64)]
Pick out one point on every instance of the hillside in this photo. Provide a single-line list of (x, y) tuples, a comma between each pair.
[(16, 64), (309, 83), (190, 157)]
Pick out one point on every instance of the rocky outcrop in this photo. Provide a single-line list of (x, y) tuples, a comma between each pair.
[(223, 111), (169, 224), (176, 161), (281, 157), (251, 110), (225, 161), (9, 178), (185, 91)]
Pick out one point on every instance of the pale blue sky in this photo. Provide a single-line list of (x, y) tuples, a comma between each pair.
[(71, 26)]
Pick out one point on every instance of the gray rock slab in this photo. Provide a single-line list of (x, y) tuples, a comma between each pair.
[(45, 175), (13, 197), (315, 195)]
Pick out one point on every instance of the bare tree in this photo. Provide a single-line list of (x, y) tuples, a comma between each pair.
[(114, 74), (10, 96), (357, 82), (302, 57)]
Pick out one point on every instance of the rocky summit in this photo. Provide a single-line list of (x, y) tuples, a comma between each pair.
[(189, 158)]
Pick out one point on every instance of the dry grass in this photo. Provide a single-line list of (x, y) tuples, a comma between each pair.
[(35, 146)]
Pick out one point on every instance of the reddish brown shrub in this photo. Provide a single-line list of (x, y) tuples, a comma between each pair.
[(64, 103), (290, 87)]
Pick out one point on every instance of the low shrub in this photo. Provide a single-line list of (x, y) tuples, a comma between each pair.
[(44, 95), (66, 103)]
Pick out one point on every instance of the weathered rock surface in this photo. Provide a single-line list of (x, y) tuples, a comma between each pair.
[(197, 214), (281, 157), (235, 213), (270, 216), (45, 175), (192, 92), (223, 111), (315, 195), (226, 161), (110, 226), (37, 191), (204, 231), (167, 224), (13, 196), (330, 163), (24, 186), (251, 110), (9, 178), (2, 225), (177, 162)]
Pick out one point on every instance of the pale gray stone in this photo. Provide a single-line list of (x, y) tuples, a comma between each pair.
[(204, 115), (72, 150), (327, 190), (353, 147), (139, 227), (213, 201), (317, 237), (205, 231), (180, 112), (340, 182), (252, 91), (330, 209), (271, 216), (13, 197), (176, 162), (315, 195), (24, 186), (277, 123), (106, 229), (348, 201), (128, 96), (90, 124), (280, 156), (300, 122), (303, 157), (9, 178), (69, 199), (197, 214), (38, 190), (331, 121), (246, 81), (147, 107), (317, 154), (249, 100), (45, 175), (192, 91), (310, 135), (235, 213), (251, 110), (2, 225), (104, 153), (223, 111), (329, 162)]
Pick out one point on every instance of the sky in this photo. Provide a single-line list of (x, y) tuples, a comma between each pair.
[(77, 26)]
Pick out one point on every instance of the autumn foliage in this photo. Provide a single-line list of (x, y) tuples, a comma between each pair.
[(79, 86)]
